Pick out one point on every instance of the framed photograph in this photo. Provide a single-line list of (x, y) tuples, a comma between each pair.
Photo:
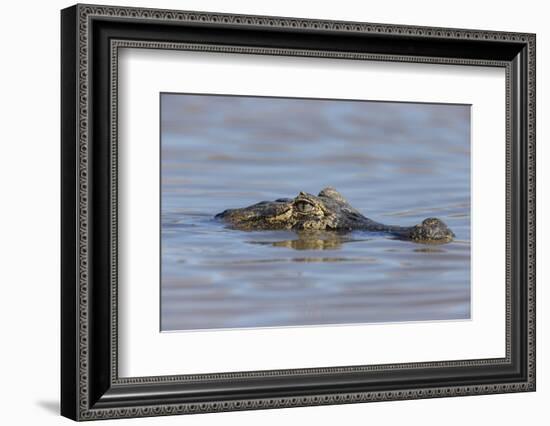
[(263, 212)]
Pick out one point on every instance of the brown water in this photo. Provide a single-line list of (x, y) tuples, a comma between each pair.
[(397, 163)]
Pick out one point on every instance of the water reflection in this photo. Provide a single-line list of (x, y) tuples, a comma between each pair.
[(429, 250), (313, 240)]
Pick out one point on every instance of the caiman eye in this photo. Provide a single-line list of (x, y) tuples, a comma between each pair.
[(303, 206)]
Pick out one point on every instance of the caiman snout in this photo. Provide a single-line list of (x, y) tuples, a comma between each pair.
[(432, 230)]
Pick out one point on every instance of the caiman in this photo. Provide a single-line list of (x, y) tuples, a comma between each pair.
[(327, 211)]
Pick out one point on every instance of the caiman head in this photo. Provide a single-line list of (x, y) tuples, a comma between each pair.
[(326, 211)]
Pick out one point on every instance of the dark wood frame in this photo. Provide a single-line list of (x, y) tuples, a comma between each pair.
[(90, 386)]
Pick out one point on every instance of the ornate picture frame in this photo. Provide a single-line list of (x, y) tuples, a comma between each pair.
[(91, 37)]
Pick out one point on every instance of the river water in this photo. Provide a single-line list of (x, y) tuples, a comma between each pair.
[(397, 163)]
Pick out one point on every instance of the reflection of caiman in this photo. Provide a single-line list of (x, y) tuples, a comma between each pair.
[(327, 211)]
